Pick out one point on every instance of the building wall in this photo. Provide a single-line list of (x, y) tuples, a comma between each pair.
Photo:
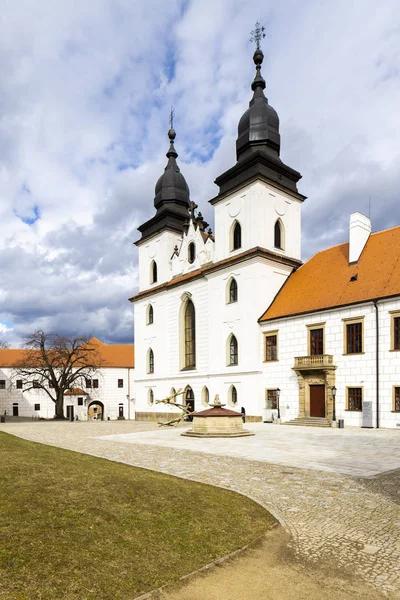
[(258, 281), (108, 393), (256, 207), (159, 248), (352, 370)]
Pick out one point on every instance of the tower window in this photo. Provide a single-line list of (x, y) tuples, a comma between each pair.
[(151, 361), (191, 252), (151, 397), (278, 235), (233, 351), (190, 335), (237, 236), (150, 315), (153, 272), (233, 291)]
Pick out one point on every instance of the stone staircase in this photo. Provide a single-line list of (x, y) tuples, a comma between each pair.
[(309, 422)]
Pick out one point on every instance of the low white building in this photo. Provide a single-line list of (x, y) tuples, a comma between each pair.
[(108, 394), (236, 314)]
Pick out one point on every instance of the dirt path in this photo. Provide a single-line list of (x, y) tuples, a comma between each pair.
[(270, 572)]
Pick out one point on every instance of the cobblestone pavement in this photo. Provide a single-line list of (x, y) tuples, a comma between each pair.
[(350, 522)]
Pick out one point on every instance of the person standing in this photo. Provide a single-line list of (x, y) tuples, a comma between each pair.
[(243, 412)]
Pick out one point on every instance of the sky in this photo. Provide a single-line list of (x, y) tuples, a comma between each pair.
[(85, 94)]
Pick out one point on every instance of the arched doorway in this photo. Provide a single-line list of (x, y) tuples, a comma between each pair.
[(96, 411), (189, 401)]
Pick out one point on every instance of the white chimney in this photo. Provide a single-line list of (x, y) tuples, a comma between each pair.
[(360, 230)]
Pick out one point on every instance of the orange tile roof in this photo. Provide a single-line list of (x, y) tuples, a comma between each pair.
[(112, 355), (325, 280)]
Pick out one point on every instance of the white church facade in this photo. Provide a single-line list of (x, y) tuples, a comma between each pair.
[(237, 313)]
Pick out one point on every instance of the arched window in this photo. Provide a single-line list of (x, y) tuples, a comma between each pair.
[(233, 395), (233, 291), (237, 236), (150, 366), (278, 235), (172, 394), (189, 400), (153, 272), (150, 315), (190, 335), (191, 252), (205, 396), (150, 397), (233, 351)]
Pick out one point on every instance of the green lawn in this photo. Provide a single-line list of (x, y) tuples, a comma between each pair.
[(77, 527)]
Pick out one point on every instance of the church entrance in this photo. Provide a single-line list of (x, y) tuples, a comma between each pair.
[(317, 401), (96, 411), (189, 401)]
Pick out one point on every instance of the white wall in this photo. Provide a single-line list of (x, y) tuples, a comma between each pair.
[(257, 207), (352, 370), (108, 393), (160, 249)]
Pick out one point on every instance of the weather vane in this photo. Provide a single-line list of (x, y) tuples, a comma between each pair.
[(257, 35), (171, 117)]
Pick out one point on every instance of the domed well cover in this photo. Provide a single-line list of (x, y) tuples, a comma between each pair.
[(259, 126)]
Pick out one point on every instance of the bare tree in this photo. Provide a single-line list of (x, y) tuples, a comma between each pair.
[(55, 364), (4, 345)]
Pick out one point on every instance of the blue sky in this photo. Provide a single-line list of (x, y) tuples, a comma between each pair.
[(85, 95)]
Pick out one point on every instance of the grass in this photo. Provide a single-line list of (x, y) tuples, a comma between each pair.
[(75, 527)]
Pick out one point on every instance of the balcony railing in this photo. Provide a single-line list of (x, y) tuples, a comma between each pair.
[(319, 361)]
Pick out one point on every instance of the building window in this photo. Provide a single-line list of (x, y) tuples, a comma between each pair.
[(95, 383), (153, 272), (354, 338), (172, 394), (80, 401), (150, 315), (237, 236), (190, 335), (233, 351), (278, 235), (271, 399), (36, 385), (37, 406), (2, 384), (354, 399), (120, 383), (150, 397), (316, 341), (233, 291), (19, 384), (150, 366), (395, 333), (271, 347), (205, 396), (88, 383), (191, 252), (396, 399), (233, 397)]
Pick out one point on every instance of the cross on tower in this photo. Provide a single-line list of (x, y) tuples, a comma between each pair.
[(171, 118), (257, 35)]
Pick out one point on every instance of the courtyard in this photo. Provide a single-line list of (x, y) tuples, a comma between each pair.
[(334, 491)]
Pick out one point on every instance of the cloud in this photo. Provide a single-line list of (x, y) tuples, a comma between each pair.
[(85, 95)]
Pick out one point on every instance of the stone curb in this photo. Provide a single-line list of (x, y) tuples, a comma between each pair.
[(216, 563)]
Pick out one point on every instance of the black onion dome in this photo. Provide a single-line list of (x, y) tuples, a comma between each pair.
[(258, 128), (171, 186)]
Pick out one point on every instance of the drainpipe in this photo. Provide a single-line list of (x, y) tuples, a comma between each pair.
[(377, 360), (129, 395)]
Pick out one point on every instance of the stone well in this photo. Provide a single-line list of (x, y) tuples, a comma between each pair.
[(217, 422)]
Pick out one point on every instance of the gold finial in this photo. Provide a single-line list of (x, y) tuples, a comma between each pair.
[(257, 35)]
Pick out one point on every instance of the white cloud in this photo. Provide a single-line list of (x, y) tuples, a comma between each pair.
[(85, 94)]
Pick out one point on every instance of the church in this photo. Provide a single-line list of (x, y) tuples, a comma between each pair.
[(236, 313)]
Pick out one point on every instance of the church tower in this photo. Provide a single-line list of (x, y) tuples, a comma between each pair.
[(164, 231), (258, 204)]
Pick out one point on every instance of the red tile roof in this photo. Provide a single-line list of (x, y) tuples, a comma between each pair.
[(328, 281)]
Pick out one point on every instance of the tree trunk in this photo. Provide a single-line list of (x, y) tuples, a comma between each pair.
[(59, 413)]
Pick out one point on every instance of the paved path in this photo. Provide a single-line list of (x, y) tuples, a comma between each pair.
[(350, 521)]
